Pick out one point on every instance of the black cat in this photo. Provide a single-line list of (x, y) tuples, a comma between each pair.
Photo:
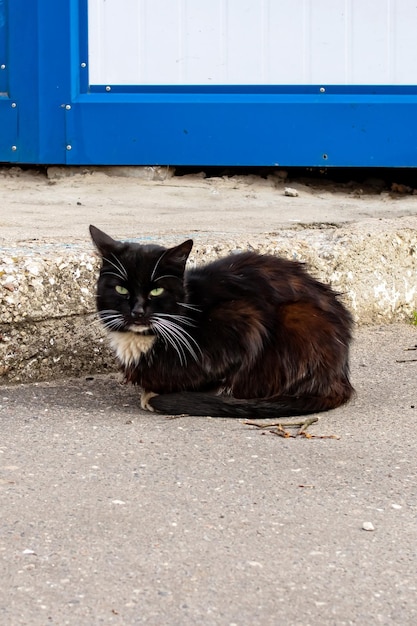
[(245, 336)]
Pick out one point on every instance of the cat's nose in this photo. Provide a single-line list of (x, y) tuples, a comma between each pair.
[(138, 311)]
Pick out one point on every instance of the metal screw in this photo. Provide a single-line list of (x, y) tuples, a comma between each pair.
[(2, 66), (325, 157), (322, 90), (68, 107), (14, 148), (69, 147), (83, 65), (14, 105), (108, 88)]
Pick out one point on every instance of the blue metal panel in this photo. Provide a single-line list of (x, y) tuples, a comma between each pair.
[(8, 134), (8, 108), (40, 40), (39, 52), (4, 70), (60, 118), (340, 127)]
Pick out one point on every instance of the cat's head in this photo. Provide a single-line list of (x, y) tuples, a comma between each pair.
[(140, 287)]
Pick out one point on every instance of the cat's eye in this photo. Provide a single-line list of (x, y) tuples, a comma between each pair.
[(157, 291), (121, 290)]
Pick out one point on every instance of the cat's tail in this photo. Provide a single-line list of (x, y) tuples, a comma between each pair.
[(205, 404)]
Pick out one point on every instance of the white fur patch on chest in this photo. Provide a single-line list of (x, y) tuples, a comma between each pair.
[(130, 346)]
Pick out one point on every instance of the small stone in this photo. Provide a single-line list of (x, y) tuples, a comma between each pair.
[(289, 191), (368, 526)]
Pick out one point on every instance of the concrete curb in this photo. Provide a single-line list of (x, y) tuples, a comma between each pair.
[(47, 327)]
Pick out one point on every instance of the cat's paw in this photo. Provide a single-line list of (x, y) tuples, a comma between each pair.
[(144, 400)]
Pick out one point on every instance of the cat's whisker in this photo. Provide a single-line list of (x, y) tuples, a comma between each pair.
[(113, 324), (96, 322), (120, 269), (174, 339), (181, 318), (111, 319), (109, 273), (157, 263), (107, 312), (189, 306), (166, 276), (168, 339), (111, 316), (181, 336), (120, 265)]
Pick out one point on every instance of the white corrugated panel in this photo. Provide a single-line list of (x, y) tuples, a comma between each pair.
[(207, 42)]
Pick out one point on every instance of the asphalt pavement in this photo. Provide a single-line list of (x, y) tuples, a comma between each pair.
[(110, 515)]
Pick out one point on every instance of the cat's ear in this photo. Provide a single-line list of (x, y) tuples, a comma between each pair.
[(104, 243), (178, 256)]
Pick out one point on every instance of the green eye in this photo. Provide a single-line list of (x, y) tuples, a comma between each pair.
[(121, 290), (158, 291)]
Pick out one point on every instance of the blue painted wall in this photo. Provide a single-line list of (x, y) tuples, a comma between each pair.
[(49, 113)]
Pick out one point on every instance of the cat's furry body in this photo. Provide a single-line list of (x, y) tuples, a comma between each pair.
[(248, 335)]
